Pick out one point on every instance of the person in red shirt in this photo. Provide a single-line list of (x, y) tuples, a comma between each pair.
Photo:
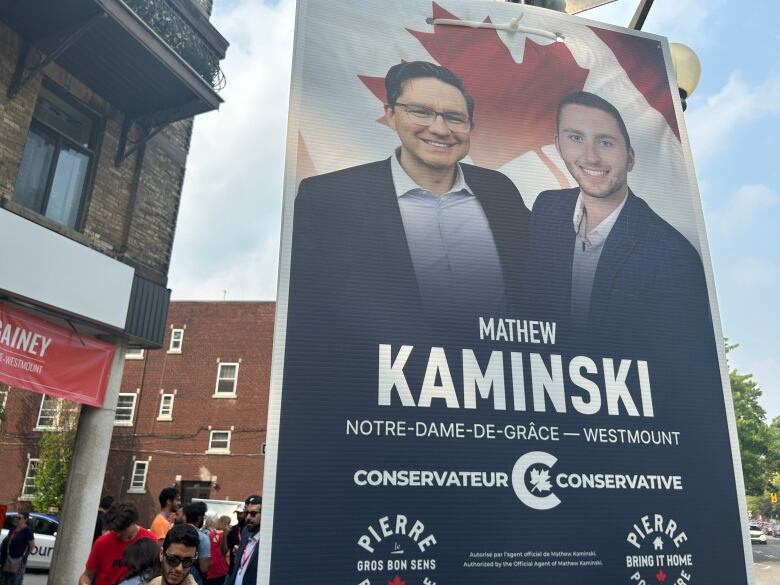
[(105, 563), (219, 564)]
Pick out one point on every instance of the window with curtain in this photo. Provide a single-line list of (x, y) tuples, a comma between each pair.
[(57, 156)]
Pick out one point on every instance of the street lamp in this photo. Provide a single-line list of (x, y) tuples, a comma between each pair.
[(687, 67)]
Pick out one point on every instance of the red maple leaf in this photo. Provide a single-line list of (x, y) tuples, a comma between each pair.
[(660, 576), (514, 103), (643, 62), (396, 581)]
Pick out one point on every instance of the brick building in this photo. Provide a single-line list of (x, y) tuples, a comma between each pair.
[(97, 99), (193, 413), (96, 106), (96, 118)]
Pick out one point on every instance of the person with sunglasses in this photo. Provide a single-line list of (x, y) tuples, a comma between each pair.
[(179, 553), (245, 568)]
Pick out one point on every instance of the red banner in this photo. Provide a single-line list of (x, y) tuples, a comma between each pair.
[(51, 359)]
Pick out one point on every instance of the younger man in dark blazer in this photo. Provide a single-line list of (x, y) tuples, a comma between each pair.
[(603, 263)]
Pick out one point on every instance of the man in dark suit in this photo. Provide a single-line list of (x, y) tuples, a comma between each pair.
[(603, 263), (417, 234), (401, 251), (245, 568)]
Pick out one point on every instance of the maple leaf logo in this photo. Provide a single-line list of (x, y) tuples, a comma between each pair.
[(396, 581), (660, 576), (540, 480), (514, 103)]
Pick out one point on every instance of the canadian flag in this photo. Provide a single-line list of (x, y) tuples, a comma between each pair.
[(517, 80)]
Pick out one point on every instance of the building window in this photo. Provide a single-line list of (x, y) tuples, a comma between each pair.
[(227, 376), (28, 487), (48, 413), (55, 414), (134, 354), (166, 407), (57, 157), (125, 410), (138, 480), (177, 338), (219, 442), (195, 490)]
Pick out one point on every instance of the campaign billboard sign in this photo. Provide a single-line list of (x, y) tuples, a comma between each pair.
[(498, 356), (38, 355)]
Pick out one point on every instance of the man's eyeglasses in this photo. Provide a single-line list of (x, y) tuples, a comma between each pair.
[(175, 561), (424, 116), (253, 513)]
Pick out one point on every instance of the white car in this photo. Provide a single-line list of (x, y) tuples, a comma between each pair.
[(45, 527), (757, 535)]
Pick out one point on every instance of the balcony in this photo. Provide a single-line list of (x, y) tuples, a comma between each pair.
[(155, 60)]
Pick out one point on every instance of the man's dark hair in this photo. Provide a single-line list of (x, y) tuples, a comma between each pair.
[(397, 74), (169, 493), (591, 100), (25, 514), (194, 511), (253, 500), (120, 515), (181, 534), (106, 502)]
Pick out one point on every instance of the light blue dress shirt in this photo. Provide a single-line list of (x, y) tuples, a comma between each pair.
[(452, 247)]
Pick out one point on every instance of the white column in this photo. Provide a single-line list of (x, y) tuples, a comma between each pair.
[(85, 483)]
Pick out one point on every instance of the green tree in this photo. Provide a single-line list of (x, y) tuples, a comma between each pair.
[(55, 450), (773, 453), (752, 430)]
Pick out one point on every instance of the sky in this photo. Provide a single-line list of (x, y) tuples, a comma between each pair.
[(227, 239)]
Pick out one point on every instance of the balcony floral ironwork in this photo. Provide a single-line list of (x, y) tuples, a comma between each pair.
[(156, 61), (173, 28)]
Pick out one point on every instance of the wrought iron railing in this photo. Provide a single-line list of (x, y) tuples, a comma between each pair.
[(182, 37)]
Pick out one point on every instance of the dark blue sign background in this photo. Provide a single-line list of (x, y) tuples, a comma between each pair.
[(353, 289), (331, 377)]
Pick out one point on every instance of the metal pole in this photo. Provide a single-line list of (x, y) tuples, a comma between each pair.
[(640, 15), (85, 482)]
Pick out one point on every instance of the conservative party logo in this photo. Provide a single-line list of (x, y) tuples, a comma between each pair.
[(397, 550), (531, 480), (537, 481)]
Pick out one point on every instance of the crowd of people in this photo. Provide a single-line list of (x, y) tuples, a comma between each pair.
[(185, 545)]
